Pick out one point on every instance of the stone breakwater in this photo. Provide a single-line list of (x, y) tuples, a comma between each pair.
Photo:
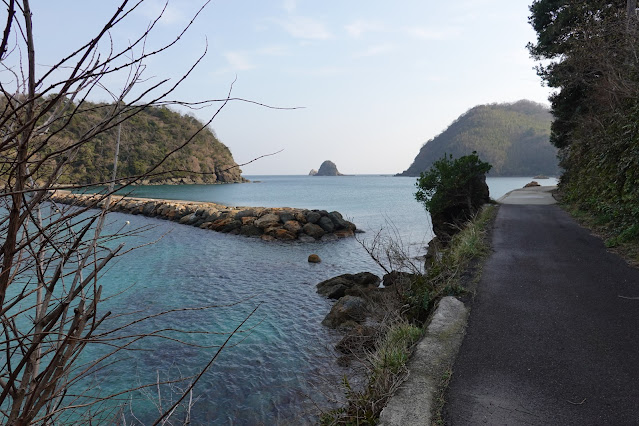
[(277, 223)]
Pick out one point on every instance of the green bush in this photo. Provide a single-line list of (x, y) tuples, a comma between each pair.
[(451, 182)]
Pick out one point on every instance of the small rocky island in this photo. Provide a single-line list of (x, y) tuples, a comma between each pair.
[(328, 168), (272, 223)]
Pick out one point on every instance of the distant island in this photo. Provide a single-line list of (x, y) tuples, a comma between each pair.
[(328, 168), (147, 137), (513, 137)]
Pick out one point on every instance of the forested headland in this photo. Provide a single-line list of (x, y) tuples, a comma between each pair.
[(145, 139), (591, 57), (513, 137)]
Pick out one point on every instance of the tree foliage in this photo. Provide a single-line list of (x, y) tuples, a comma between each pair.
[(514, 138), (451, 182), (592, 55)]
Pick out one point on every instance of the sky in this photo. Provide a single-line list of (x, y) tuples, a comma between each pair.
[(374, 80)]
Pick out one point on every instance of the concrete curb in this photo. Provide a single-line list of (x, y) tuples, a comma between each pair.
[(414, 402)]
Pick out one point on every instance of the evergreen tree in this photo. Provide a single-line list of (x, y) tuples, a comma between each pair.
[(593, 54)]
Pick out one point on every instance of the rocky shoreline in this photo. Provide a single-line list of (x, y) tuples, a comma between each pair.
[(360, 308), (267, 223)]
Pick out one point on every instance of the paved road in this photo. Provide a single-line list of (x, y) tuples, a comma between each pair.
[(550, 340), (539, 195)]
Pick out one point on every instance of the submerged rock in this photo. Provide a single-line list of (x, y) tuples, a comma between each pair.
[(313, 258), (303, 238)]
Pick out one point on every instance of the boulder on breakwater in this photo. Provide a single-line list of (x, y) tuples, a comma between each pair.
[(267, 223)]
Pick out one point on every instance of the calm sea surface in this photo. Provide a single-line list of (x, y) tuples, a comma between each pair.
[(283, 364)]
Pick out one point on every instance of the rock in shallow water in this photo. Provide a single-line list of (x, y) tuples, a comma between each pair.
[(348, 308), (337, 287), (303, 238)]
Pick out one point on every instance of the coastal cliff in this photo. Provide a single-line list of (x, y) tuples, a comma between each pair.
[(147, 138), (274, 223)]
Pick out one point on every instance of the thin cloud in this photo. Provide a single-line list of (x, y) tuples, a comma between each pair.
[(376, 50), (152, 10), (273, 51), (290, 5), (305, 28), (328, 71), (325, 71), (359, 27), (239, 61)]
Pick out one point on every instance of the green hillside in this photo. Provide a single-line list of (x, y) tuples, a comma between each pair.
[(514, 138), (145, 139)]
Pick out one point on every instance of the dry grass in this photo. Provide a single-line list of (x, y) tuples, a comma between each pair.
[(386, 368)]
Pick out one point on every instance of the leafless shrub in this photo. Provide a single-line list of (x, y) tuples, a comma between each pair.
[(391, 253), (52, 257)]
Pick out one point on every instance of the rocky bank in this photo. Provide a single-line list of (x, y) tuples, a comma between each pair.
[(280, 223), (361, 306)]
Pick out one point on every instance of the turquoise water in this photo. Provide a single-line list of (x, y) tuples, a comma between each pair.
[(285, 364)]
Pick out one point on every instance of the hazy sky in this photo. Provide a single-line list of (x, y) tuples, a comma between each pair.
[(376, 79)]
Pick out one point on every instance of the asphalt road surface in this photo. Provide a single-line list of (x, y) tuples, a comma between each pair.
[(553, 335)]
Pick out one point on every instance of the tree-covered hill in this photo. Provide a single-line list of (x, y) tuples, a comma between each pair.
[(146, 138), (514, 138)]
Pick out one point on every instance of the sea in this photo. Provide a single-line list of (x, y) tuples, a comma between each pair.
[(280, 368)]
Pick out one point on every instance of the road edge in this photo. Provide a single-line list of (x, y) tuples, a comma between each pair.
[(414, 402)]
